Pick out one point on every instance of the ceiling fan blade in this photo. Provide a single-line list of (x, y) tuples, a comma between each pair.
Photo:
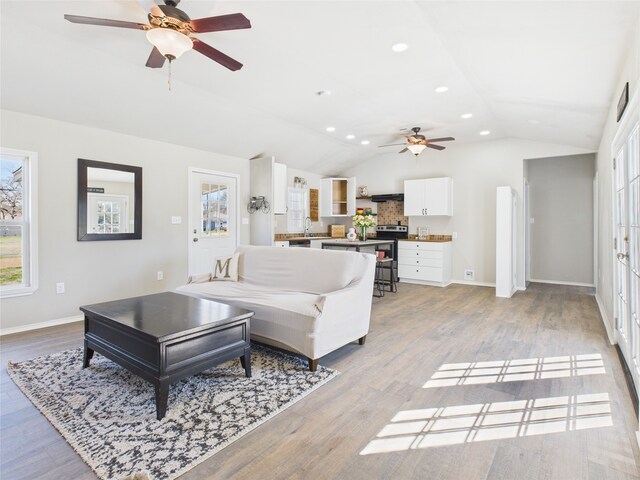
[(403, 150), (391, 145), (216, 55), (234, 21), (156, 59), (443, 139), (437, 147), (105, 22)]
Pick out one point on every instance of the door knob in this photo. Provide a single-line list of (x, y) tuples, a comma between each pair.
[(195, 239), (622, 256)]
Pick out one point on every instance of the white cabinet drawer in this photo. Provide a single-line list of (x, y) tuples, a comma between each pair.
[(412, 254), (428, 274), (421, 262), (433, 246)]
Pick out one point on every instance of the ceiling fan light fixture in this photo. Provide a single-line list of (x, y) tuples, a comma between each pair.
[(169, 42), (416, 149)]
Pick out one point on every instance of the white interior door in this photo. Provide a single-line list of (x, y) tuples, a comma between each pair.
[(627, 246), (213, 218)]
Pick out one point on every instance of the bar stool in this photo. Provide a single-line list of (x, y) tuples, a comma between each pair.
[(383, 264)]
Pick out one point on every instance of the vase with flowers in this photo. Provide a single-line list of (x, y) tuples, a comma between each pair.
[(361, 223)]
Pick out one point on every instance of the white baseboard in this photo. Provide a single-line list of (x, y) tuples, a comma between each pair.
[(36, 326), (605, 320), (558, 282), (473, 282)]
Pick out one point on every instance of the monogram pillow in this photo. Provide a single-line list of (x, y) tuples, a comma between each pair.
[(226, 268)]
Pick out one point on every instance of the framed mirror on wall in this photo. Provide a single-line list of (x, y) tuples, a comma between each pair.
[(109, 201)]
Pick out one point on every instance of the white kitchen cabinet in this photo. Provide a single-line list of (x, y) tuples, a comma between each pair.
[(284, 244), (338, 197), (279, 188), (428, 197), (424, 262)]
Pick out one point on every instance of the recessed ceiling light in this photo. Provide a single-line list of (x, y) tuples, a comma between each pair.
[(466, 115), (442, 89), (399, 47), (331, 129), (365, 142), (351, 136), (485, 132), (323, 93)]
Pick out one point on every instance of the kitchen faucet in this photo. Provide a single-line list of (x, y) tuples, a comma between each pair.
[(307, 226)]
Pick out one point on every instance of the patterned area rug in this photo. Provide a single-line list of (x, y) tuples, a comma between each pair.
[(108, 415)]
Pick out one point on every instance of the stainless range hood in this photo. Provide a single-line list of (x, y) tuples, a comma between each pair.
[(388, 197)]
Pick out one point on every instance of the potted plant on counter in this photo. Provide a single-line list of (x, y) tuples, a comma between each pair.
[(362, 222)]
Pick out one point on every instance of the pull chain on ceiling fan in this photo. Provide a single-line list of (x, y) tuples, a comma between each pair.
[(417, 143), (170, 32)]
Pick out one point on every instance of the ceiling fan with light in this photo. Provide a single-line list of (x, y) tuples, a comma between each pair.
[(170, 32), (416, 143)]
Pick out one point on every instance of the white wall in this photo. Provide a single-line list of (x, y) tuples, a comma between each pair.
[(604, 285), (106, 270), (477, 169), (561, 205)]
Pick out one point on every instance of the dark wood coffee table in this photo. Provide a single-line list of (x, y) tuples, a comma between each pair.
[(166, 337)]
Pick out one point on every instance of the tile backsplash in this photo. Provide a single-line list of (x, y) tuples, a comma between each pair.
[(390, 213)]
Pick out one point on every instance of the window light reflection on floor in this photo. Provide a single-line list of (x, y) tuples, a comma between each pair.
[(475, 373), (434, 427)]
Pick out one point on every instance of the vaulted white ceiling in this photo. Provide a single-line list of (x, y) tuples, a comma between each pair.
[(539, 70)]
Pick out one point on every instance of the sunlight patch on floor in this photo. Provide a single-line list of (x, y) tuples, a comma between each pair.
[(476, 373), (435, 427)]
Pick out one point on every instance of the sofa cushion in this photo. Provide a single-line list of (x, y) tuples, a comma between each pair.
[(252, 297), (299, 269)]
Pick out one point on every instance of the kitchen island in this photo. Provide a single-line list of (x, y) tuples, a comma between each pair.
[(369, 246)]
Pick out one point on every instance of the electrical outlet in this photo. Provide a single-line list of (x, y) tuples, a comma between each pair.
[(454, 235), (60, 287), (176, 220), (245, 221), (469, 274), (160, 275)]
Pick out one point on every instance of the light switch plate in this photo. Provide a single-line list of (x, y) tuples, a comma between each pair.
[(245, 221)]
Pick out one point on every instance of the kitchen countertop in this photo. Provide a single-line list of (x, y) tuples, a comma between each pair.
[(432, 240), (297, 239)]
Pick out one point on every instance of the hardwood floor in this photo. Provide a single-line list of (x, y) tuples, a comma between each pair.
[(555, 427)]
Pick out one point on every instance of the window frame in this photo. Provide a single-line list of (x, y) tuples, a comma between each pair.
[(29, 224)]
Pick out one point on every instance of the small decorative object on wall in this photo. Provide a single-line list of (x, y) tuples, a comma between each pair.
[(624, 100), (258, 204), (362, 222), (363, 191)]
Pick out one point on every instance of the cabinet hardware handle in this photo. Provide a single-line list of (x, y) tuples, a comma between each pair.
[(195, 239)]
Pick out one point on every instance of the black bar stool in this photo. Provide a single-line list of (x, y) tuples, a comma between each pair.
[(383, 264)]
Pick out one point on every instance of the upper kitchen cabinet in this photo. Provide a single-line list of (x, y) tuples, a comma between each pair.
[(338, 197), (428, 196)]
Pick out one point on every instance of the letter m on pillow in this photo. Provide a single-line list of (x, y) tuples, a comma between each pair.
[(226, 268), (222, 267)]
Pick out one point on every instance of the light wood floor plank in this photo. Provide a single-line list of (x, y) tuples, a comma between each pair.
[(413, 333)]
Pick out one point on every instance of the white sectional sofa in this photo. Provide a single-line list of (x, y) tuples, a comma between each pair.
[(305, 300)]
